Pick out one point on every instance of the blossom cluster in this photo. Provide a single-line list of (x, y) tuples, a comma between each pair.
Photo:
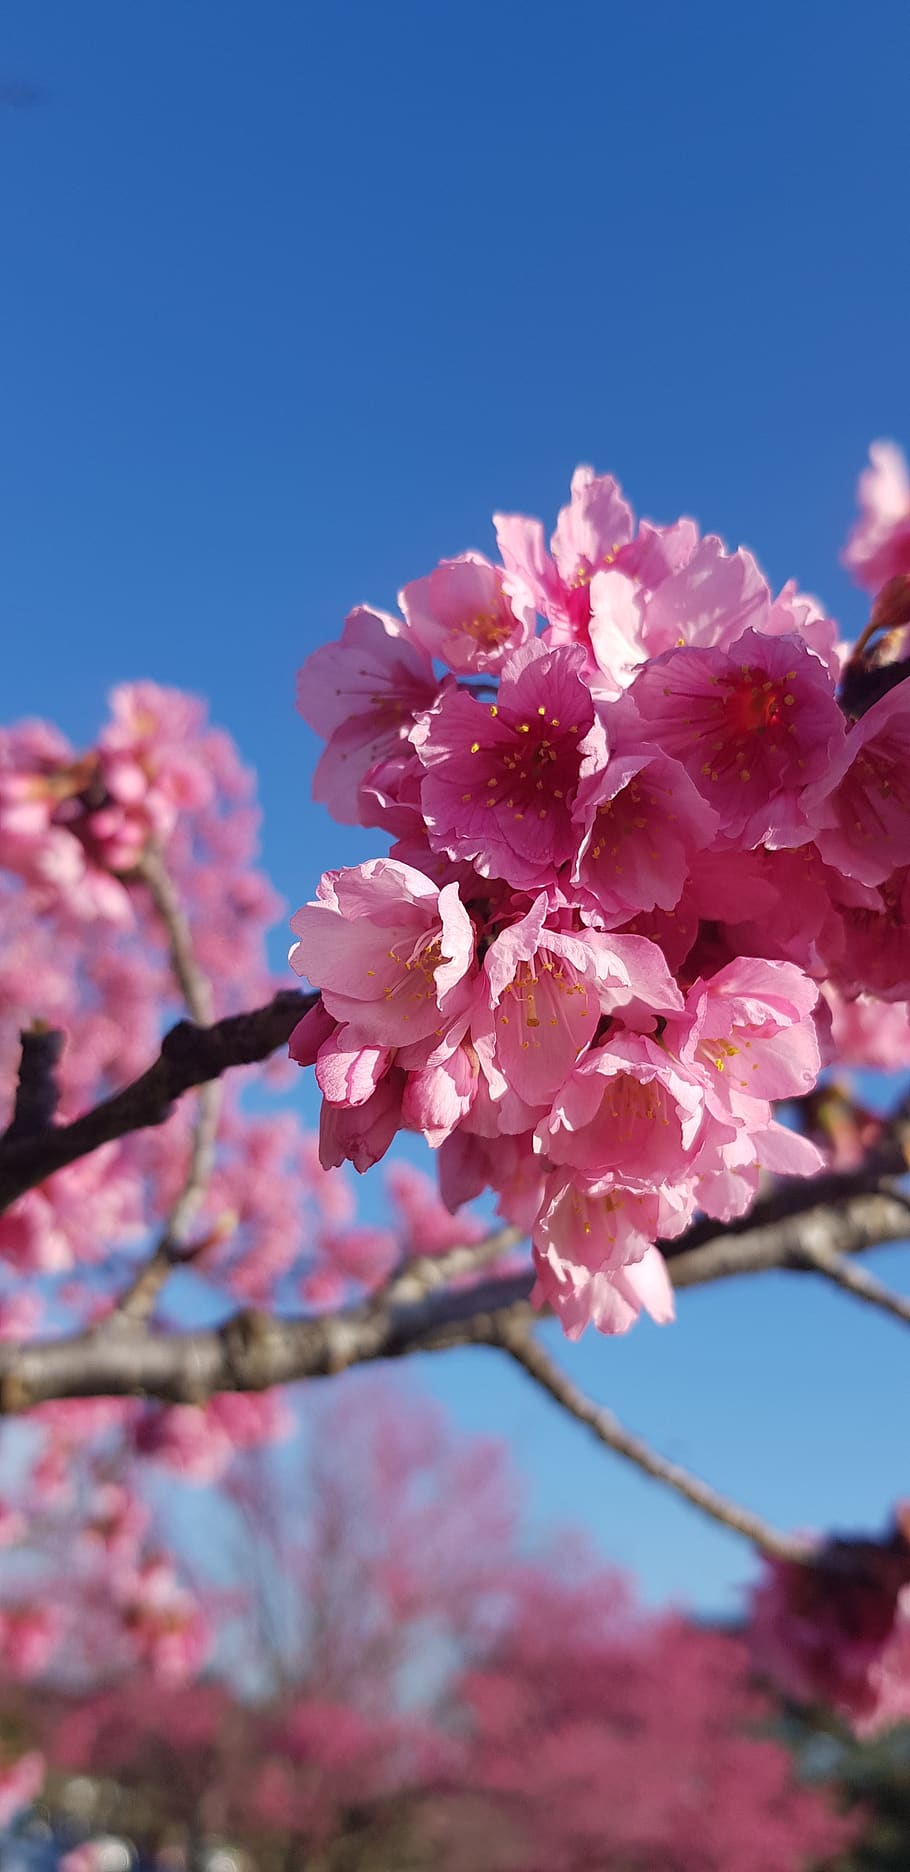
[(835, 1630), (634, 834)]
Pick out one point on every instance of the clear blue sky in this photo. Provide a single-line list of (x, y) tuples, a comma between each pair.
[(294, 296)]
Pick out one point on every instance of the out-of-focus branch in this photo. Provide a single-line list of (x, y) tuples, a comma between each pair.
[(190, 1056), (192, 980), (844, 1225), (254, 1351), (37, 1091), (857, 1281), (528, 1352), (425, 1273), (172, 1246)]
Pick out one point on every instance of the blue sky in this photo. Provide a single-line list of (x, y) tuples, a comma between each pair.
[(294, 297)]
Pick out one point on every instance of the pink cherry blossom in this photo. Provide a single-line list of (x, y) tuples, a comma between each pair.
[(362, 695), (462, 615), (588, 535), (346, 1072), (543, 989), (877, 942), (438, 1097), (751, 1035), (879, 546), (500, 781), (868, 1032), (836, 1630), (388, 950), (753, 727), (644, 822), (860, 808), (625, 1114), (361, 1134), (595, 1260)]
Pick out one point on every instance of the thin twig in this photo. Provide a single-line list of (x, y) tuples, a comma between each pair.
[(192, 980), (37, 1091), (425, 1273), (528, 1352), (171, 1247), (857, 1281)]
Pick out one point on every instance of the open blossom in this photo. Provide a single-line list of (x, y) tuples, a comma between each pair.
[(607, 1298), (753, 726), (500, 779), (363, 694), (389, 951), (588, 535), (835, 1629), (876, 957), (544, 1001), (879, 546), (461, 613), (751, 1036), (644, 822), (627, 1114), (861, 807)]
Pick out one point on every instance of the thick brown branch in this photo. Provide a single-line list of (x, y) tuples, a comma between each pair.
[(532, 1357), (189, 1056), (251, 1352)]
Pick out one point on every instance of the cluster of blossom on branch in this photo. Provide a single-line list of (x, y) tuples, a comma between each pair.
[(835, 1631), (635, 834)]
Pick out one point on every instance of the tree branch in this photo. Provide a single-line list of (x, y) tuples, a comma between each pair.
[(190, 1056), (855, 1280), (139, 1299), (424, 1273), (192, 981), (37, 1091), (254, 1351), (844, 1226), (531, 1356)]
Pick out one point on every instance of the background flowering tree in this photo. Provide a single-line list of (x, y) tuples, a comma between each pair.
[(402, 1683), (650, 872)]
